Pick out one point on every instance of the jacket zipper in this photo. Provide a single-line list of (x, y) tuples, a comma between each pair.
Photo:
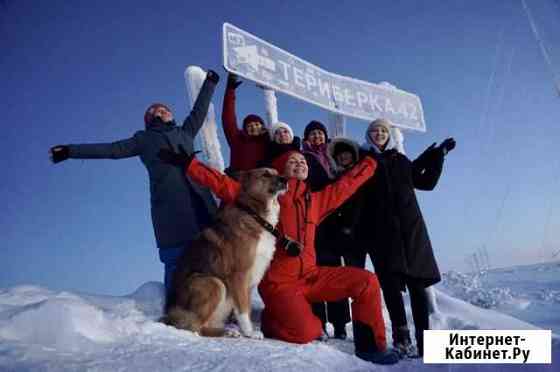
[(296, 203)]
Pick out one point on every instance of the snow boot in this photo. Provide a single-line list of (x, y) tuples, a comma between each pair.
[(402, 343), (366, 349)]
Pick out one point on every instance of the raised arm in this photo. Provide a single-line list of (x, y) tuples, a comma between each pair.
[(224, 187), (229, 116), (333, 195), (194, 121)]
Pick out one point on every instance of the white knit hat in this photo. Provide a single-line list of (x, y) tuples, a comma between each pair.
[(278, 125)]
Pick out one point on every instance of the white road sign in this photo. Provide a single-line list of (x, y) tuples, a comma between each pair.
[(252, 58)]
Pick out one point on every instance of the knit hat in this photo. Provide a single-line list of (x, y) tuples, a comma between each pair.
[(279, 163), (149, 114), (380, 123), (252, 118), (383, 123), (314, 124), (278, 125)]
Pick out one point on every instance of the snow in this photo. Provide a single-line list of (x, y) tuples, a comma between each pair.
[(41, 329)]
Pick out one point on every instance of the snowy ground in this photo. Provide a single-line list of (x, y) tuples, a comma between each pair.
[(60, 331)]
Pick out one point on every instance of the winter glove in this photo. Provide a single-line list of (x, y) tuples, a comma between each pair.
[(213, 76), (179, 159), (447, 145), (59, 153), (232, 81), (427, 154), (292, 247)]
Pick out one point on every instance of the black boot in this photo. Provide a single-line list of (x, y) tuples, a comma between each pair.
[(366, 348), (402, 342), (340, 331), (420, 342)]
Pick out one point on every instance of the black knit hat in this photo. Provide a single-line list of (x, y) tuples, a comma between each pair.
[(314, 124)]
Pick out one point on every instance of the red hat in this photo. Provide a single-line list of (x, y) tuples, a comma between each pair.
[(251, 118), (149, 114), (279, 162)]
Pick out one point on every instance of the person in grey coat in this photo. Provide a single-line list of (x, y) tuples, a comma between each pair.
[(180, 208)]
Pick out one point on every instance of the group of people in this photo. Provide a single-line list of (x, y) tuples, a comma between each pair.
[(344, 202)]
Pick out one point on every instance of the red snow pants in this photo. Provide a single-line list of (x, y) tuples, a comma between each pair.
[(288, 316)]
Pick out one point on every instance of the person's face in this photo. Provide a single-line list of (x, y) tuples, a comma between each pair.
[(282, 136), (254, 128), (379, 135), (296, 167), (316, 137), (164, 114), (344, 159)]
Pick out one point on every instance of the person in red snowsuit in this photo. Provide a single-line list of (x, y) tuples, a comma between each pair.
[(249, 145), (293, 282)]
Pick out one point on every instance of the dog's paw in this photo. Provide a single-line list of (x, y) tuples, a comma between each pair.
[(255, 335), (234, 333)]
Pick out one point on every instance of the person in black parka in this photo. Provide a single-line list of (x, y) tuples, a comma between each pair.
[(180, 208), (392, 229)]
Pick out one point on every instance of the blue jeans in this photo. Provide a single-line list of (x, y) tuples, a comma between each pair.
[(169, 258)]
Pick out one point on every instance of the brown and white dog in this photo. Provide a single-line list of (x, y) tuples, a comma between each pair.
[(218, 270)]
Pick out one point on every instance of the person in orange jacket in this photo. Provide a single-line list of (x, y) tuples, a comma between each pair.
[(293, 281)]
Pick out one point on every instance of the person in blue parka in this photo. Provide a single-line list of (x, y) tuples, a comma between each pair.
[(180, 208)]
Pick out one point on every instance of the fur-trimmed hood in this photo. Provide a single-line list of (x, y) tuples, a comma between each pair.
[(331, 148)]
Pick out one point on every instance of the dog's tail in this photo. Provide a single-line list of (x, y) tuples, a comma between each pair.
[(196, 305), (181, 319)]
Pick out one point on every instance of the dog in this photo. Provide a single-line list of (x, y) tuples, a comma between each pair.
[(217, 271)]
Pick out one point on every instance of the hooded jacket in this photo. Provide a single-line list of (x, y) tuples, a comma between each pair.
[(336, 234), (245, 151), (179, 207)]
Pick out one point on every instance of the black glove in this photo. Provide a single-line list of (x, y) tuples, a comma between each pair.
[(447, 145), (292, 247), (59, 153), (213, 76), (426, 154), (179, 159), (233, 81)]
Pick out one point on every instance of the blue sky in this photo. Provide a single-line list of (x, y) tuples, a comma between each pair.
[(82, 72)]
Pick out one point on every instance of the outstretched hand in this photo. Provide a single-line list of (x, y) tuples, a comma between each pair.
[(233, 81), (447, 145), (59, 153), (213, 76), (179, 159)]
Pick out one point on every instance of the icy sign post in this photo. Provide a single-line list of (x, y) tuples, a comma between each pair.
[(252, 58)]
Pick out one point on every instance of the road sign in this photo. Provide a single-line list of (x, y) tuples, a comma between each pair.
[(252, 58)]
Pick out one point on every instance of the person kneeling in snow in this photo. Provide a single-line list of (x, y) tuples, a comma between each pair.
[(293, 280)]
